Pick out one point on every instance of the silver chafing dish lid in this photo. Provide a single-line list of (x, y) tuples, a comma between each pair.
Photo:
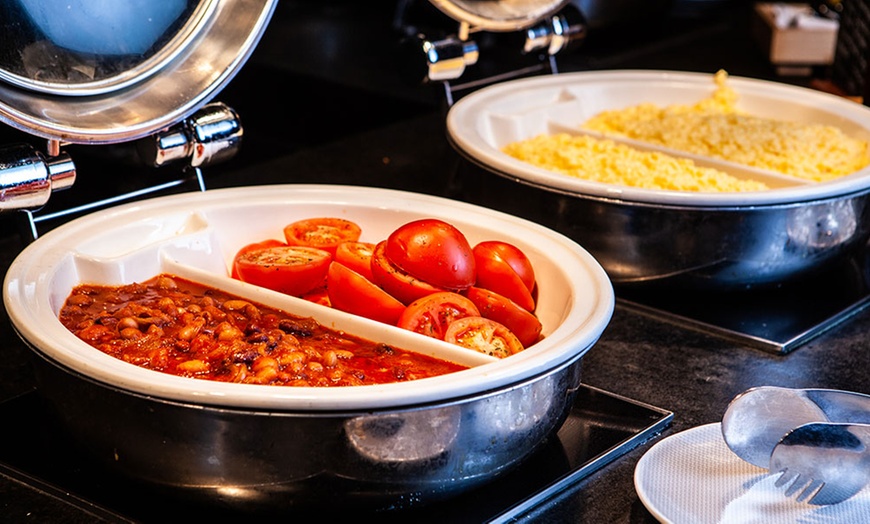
[(499, 15), (99, 71)]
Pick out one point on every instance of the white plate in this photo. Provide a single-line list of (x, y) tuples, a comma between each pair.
[(481, 123), (692, 477), (196, 236)]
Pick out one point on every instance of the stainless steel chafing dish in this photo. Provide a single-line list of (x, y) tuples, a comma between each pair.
[(648, 238), (240, 445)]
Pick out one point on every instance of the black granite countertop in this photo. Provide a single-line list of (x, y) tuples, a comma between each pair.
[(314, 112)]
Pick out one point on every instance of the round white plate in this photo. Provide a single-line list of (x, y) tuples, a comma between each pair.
[(481, 123), (692, 477)]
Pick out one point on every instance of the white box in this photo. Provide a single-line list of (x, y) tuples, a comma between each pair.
[(793, 35)]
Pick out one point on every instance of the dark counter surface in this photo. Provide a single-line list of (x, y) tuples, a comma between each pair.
[(314, 115)]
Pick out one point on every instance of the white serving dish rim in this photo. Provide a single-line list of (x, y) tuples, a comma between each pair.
[(28, 289), (468, 116)]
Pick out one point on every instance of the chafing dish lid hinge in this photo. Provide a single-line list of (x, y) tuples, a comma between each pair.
[(28, 177), (212, 134)]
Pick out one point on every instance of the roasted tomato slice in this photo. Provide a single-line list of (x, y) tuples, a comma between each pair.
[(432, 314), (483, 335), (294, 270), (396, 282), (515, 257), (495, 272), (356, 256), (251, 247), (351, 292), (519, 321), (433, 251), (323, 233)]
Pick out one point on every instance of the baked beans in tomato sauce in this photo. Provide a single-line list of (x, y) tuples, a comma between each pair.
[(176, 326)]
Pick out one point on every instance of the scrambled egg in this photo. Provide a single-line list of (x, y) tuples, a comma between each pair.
[(716, 128), (712, 127), (613, 163)]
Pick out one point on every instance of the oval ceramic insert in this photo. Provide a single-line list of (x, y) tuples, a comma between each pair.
[(575, 299), (480, 124)]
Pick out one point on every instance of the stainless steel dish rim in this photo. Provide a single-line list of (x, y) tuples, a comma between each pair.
[(186, 81), (465, 116), (28, 283)]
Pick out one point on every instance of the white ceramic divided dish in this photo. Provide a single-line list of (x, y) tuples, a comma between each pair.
[(481, 123), (196, 235)]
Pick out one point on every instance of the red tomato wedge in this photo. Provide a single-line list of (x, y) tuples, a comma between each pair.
[(519, 321), (483, 335), (396, 282), (351, 292), (356, 256), (515, 258), (294, 270), (432, 314), (251, 247), (433, 251), (323, 233), (495, 273)]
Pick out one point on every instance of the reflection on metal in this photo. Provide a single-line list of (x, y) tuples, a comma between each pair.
[(823, 226), (27, 177), (415, 437), (446, 59), (86, 47), (212, 134), (556, 33)]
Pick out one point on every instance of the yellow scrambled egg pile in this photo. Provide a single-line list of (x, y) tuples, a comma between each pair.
[(613, 163), (712, 127)]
